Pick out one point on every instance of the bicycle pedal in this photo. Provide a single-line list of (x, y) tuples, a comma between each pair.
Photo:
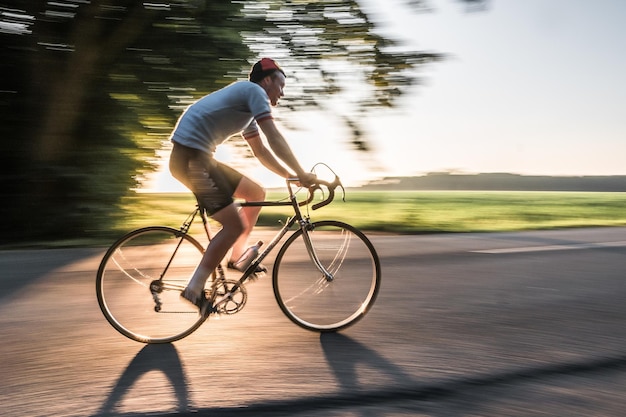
[(255, 276), (208, 309)]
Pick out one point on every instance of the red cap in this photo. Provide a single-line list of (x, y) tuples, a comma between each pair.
[(268, 64), (263, 68)]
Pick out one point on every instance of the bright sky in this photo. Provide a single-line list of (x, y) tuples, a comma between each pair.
[(532, 87)]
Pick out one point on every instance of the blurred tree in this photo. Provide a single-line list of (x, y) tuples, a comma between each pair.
[(90, 89), (332, 46), (89, 92)]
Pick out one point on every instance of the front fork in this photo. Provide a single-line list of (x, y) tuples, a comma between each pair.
[(307, 226)]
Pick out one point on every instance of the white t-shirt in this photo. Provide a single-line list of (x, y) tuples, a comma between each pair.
[(233, 109)]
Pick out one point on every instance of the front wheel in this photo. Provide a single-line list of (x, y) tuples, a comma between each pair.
[(139, 283), (317, 302)]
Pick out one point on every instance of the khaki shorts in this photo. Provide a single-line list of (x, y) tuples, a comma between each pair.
[(212, 182)]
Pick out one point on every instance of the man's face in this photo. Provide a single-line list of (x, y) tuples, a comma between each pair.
[(273, 86)]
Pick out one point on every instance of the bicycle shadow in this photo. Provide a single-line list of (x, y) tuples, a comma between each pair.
[(152, 357), (346, 356)]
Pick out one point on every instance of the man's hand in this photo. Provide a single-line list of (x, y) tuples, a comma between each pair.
[(307, 179)]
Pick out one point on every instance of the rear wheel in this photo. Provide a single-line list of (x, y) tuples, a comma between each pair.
[(139, 283), (318, 303)]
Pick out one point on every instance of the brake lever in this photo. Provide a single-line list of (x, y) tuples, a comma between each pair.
[(343, 190)]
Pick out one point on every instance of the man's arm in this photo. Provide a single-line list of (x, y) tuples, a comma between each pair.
[(266, 157), (281, 149)]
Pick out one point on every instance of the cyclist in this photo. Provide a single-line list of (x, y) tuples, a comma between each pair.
[(241, 107)]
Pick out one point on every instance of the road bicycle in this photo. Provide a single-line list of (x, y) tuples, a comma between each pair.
[(325, 277)]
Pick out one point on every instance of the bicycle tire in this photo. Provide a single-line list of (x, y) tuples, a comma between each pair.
[(124, 277), (311, 301)]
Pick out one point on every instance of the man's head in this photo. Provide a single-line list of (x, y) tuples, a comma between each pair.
[(264, 68), (270, 76)]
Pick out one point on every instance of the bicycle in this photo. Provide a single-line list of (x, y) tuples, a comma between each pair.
[(325, 277)]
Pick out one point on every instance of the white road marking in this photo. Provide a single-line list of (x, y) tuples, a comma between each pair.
[(575, 246)]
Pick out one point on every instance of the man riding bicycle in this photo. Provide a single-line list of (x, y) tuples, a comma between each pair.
[(241, 107)]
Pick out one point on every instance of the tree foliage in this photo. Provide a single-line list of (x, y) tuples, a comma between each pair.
[(91, 89)]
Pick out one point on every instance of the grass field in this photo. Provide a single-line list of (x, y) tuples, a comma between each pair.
[(421, 211)]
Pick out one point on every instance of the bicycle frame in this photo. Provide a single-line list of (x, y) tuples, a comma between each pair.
[(303, 222)]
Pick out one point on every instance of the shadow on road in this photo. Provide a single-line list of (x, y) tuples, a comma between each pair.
[(345, 355), (162, 358), (20, 268)]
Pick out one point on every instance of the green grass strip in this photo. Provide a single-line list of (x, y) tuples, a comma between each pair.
[(420, 211)]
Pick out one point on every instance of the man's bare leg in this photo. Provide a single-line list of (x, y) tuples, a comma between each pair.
[(247, 190), (232, 228)]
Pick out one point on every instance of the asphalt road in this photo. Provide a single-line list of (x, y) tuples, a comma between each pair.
[(507, 324)]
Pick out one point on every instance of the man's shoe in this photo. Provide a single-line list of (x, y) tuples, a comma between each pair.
[(259, 269), (204, 306)]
